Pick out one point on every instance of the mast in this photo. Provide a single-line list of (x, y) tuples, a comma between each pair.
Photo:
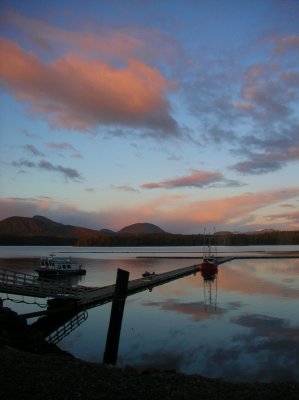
[(204, 244)]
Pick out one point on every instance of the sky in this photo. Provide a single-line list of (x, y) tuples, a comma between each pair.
[(180, 113)]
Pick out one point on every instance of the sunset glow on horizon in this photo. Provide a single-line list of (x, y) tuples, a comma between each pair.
[(184, 114)]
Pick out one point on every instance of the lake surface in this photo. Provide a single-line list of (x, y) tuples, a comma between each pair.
[(244, 326)]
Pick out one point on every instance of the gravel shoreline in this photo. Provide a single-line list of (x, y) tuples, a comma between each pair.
[(31, 368), (53, 376)]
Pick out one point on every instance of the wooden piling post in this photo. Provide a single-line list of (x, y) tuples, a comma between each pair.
[(117, 309)]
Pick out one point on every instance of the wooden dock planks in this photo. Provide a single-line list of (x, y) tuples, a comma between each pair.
[(100, 295)]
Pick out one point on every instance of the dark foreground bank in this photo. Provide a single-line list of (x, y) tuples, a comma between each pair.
[(32, 369)]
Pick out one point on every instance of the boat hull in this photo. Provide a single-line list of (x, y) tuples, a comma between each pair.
[(208, 271), (48, 272)]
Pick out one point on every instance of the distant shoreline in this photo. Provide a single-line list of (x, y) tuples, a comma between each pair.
[(276, 238), (261, 256)]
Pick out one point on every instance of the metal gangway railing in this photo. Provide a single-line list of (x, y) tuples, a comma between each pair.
[(67, 328), (31, 285)]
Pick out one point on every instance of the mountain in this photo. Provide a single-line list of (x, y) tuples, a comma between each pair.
[(140, 228), (39, 230), (41, 226)]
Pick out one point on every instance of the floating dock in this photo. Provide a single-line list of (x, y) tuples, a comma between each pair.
[(61, 295), (78, 296)]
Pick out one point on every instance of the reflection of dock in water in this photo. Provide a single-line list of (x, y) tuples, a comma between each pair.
[(67, 328), (57, 327)]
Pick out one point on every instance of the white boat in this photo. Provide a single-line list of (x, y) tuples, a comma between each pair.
[(53, 266)]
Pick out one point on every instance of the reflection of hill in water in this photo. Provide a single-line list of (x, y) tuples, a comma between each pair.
[(19, 264)]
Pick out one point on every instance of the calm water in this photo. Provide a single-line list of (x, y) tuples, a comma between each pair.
[(245, 327)]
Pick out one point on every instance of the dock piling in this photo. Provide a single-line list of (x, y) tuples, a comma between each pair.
[(117, 309)]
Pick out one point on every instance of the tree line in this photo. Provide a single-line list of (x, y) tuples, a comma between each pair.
[(166, 239), (158, 239)]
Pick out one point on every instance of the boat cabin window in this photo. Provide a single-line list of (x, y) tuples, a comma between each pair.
[(63, 267), (69, 267)]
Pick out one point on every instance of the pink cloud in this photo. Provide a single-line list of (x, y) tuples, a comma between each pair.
[(67, 172), (24, 207), (180, 215), (284, 44), (33, 150), (51, 38), (234, 208), (61, 146), (267, 93), (287, 205), (246, 106), (197, 178), (196, 310), (100, 40), (172, 213), (291, 216), (267, 161), (78, 94), (124, 188)]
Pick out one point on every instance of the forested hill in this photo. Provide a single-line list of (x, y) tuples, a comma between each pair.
[(41, 226), (39, 230)]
